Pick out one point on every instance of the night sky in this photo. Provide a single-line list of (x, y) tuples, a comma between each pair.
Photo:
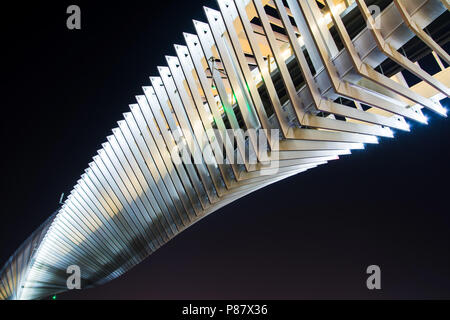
[(310, 236)]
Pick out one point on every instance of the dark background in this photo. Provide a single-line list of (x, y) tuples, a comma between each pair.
[(310, 236)]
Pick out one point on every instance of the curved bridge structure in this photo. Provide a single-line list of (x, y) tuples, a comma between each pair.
[(263, 90)]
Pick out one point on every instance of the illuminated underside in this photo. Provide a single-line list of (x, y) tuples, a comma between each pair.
[(307, 72)]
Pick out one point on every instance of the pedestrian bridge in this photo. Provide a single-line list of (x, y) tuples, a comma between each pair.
[(262, 90)]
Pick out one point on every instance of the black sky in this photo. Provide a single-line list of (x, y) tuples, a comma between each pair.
[(310, 236)]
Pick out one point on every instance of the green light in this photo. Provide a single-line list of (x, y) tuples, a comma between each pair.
[(54, 298)]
